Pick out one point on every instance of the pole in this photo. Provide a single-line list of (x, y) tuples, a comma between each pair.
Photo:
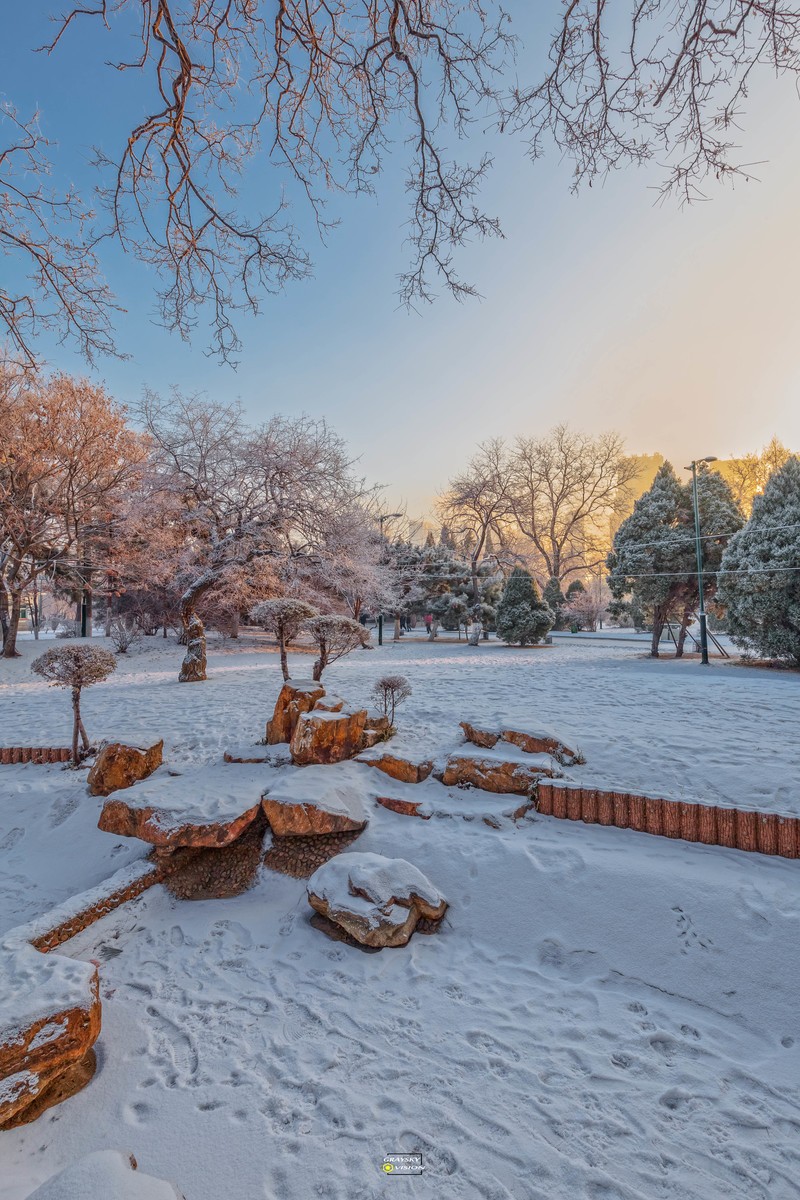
[(380, 629), (699, 547)]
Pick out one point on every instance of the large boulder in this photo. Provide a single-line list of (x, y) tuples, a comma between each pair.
[(402, 769), (316, 800), (105, 1175), (205, 806), (328, 737), (496, 773), (296, 696), (118, 766), (378, 901), (49, 1021)]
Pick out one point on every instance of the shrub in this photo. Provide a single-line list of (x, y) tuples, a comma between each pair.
[(75, 667), (523, 618), (122, 635), (388, 692)]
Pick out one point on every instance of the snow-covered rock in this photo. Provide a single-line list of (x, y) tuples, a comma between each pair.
[(528, 740), (379, 901), (119, 766), (296, 696), (328, 737), (105, 1175), (317, 800), (202, 806), (501, 772), (405, 770)]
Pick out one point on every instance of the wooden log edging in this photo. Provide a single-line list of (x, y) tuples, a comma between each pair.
[(15, 755), (689, 820)]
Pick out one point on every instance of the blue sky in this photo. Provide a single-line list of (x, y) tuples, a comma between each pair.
[(677, 327)]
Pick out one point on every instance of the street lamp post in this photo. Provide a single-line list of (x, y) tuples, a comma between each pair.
[(699, 549), (381, 520)]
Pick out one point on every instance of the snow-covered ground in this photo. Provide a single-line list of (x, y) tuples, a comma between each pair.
[(604, 1015)]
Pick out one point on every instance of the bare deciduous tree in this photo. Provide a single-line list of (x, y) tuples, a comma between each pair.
[(564, 488), (478, 503), (244, 493), (334, 637), (283, 616), (75, 667)]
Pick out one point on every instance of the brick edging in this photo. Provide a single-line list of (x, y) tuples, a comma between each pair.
[(100, 907), (14, 755), (711, 824)]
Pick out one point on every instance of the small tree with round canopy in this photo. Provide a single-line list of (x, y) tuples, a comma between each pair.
[(334, 637), (523, 617), (283, 617), (75, 667)]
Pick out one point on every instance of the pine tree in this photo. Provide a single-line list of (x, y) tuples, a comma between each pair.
[(554, 596), (523, 617), (762, 598)]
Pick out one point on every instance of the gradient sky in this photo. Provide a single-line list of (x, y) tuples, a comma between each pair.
[(676, 326)]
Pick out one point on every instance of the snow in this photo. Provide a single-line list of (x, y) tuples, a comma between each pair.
[(342, 788), (106, 1175), (199, 795), (603, 1015), (37, 986), (380, 879)]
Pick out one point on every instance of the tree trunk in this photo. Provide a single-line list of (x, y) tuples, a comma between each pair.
[(284, 655), (396, 629), (10, 643), (658, 628), (193, 667), (76, 724), (687, 612)]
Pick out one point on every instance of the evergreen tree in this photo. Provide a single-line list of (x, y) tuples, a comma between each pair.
[(430, 540), (654, 557), (553, 596), (576, 588), (523, 617), (762, 599)]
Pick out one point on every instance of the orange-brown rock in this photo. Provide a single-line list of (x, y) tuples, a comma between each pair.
[(485, 738), (50, 1022), (402, 769), (296, 696), (316, 800), (200, 807), (378, 901), (495, 774), (327, 737), (329, 704), (531, 743), (118, 766)]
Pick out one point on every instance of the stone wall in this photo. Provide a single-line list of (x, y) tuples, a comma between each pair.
[(11, 755)]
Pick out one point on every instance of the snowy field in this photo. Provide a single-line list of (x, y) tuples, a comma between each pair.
[(603, 1016)]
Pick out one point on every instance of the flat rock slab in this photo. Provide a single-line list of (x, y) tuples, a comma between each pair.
[(119, 766), (202, 806), (433, 799), (316, 800), (105, 1175), (376, 900), (499, 772), (405, 770), (49, 1020), (530, 741)]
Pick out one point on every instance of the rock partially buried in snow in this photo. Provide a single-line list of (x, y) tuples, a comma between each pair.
[(378, 901), (49, 1021), (315, 801), (296, 696), (497, 774), (328, 737), (204, 806), (105, 1175), (118, 766), (402, 769), (529, 741)]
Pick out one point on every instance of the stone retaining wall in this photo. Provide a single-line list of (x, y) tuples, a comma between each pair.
[(714, 825), (12, 755), (99, 906)]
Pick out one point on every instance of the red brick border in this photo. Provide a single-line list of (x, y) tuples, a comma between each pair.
[(13, 755), (711, 824)]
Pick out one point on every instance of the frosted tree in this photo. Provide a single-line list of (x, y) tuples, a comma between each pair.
[(75, 667), (334, 637), (523, 617), (760, 585), (284, 617)]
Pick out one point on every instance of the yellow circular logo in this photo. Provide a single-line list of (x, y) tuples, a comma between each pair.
[(388, 1168)]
